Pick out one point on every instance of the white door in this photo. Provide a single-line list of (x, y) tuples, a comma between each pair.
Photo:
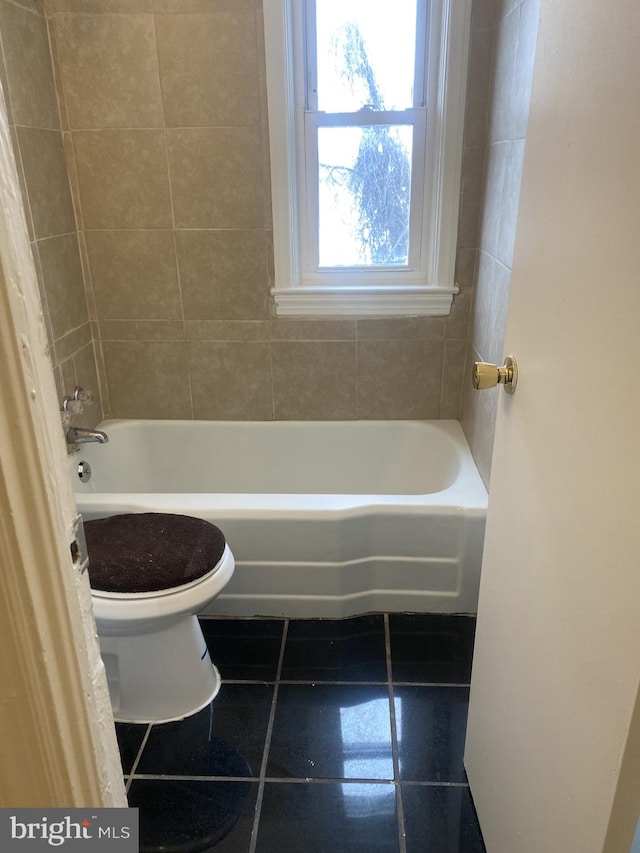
[(557, 660)]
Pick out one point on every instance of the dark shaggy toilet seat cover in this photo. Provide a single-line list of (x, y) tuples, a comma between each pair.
[(149, 551)]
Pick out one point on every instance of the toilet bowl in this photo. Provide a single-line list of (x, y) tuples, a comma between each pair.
[(157, 663)]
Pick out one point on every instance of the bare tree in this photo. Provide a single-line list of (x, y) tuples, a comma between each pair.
[(380, 180)]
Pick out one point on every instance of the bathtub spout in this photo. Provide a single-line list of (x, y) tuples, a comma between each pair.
[(78, 435)]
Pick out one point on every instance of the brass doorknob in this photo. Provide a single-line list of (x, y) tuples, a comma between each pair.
[(488, 375)]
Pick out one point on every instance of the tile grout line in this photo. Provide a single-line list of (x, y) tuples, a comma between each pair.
[(286, 780), (138, 757), (172, 212), (267, 743), (320, 683), (402, 839), (432, 684), (436, 784)]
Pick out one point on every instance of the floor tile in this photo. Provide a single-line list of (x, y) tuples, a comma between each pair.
[(185, 816), (431, 724), (244, 649), (335, 650), (436, 648), (331, 735), (331, 731), (225, 739), (440, 820), (130, 737), (348, 817)]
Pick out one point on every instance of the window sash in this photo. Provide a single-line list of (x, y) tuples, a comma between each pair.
[(311, 59), (308, 190), (309, 196)]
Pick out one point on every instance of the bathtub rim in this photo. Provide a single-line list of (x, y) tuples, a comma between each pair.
[(467, 493)]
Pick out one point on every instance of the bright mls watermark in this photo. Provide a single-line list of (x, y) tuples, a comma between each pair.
[(100, 830)]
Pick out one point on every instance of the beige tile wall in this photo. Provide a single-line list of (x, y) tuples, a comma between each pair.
[(163, 109), (28, 85), (512, 25), (161, 254)]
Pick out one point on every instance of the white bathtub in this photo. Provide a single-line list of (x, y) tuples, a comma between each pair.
[(325, 519)]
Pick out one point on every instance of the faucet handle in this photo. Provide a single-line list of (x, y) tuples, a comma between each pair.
[(72, 405), (83, 396)]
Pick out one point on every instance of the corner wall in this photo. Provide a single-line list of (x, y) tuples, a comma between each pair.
[(27, 80), (514, 28)]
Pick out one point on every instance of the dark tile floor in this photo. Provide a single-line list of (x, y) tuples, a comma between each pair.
[(327, 736)]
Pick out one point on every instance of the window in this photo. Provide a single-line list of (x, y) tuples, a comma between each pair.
[(366, 108)]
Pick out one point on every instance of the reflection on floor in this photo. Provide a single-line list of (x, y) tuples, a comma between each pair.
[(328, 736)]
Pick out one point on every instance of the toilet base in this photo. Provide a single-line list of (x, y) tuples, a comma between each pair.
[(161, 676)]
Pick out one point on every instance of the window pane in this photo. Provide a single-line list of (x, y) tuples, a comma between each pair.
[(364, 194), (366, 54)]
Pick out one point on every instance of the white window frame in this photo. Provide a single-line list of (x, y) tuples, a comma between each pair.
[(425, 287)]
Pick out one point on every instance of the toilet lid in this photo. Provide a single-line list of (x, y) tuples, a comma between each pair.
[(150, 551)]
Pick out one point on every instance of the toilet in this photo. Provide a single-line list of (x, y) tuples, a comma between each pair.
[(150, 574)]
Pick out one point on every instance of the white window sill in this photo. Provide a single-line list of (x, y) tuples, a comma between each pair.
[(395, 301)]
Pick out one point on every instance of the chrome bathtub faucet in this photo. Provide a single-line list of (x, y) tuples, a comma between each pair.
[(73, 405), (78, 435)]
